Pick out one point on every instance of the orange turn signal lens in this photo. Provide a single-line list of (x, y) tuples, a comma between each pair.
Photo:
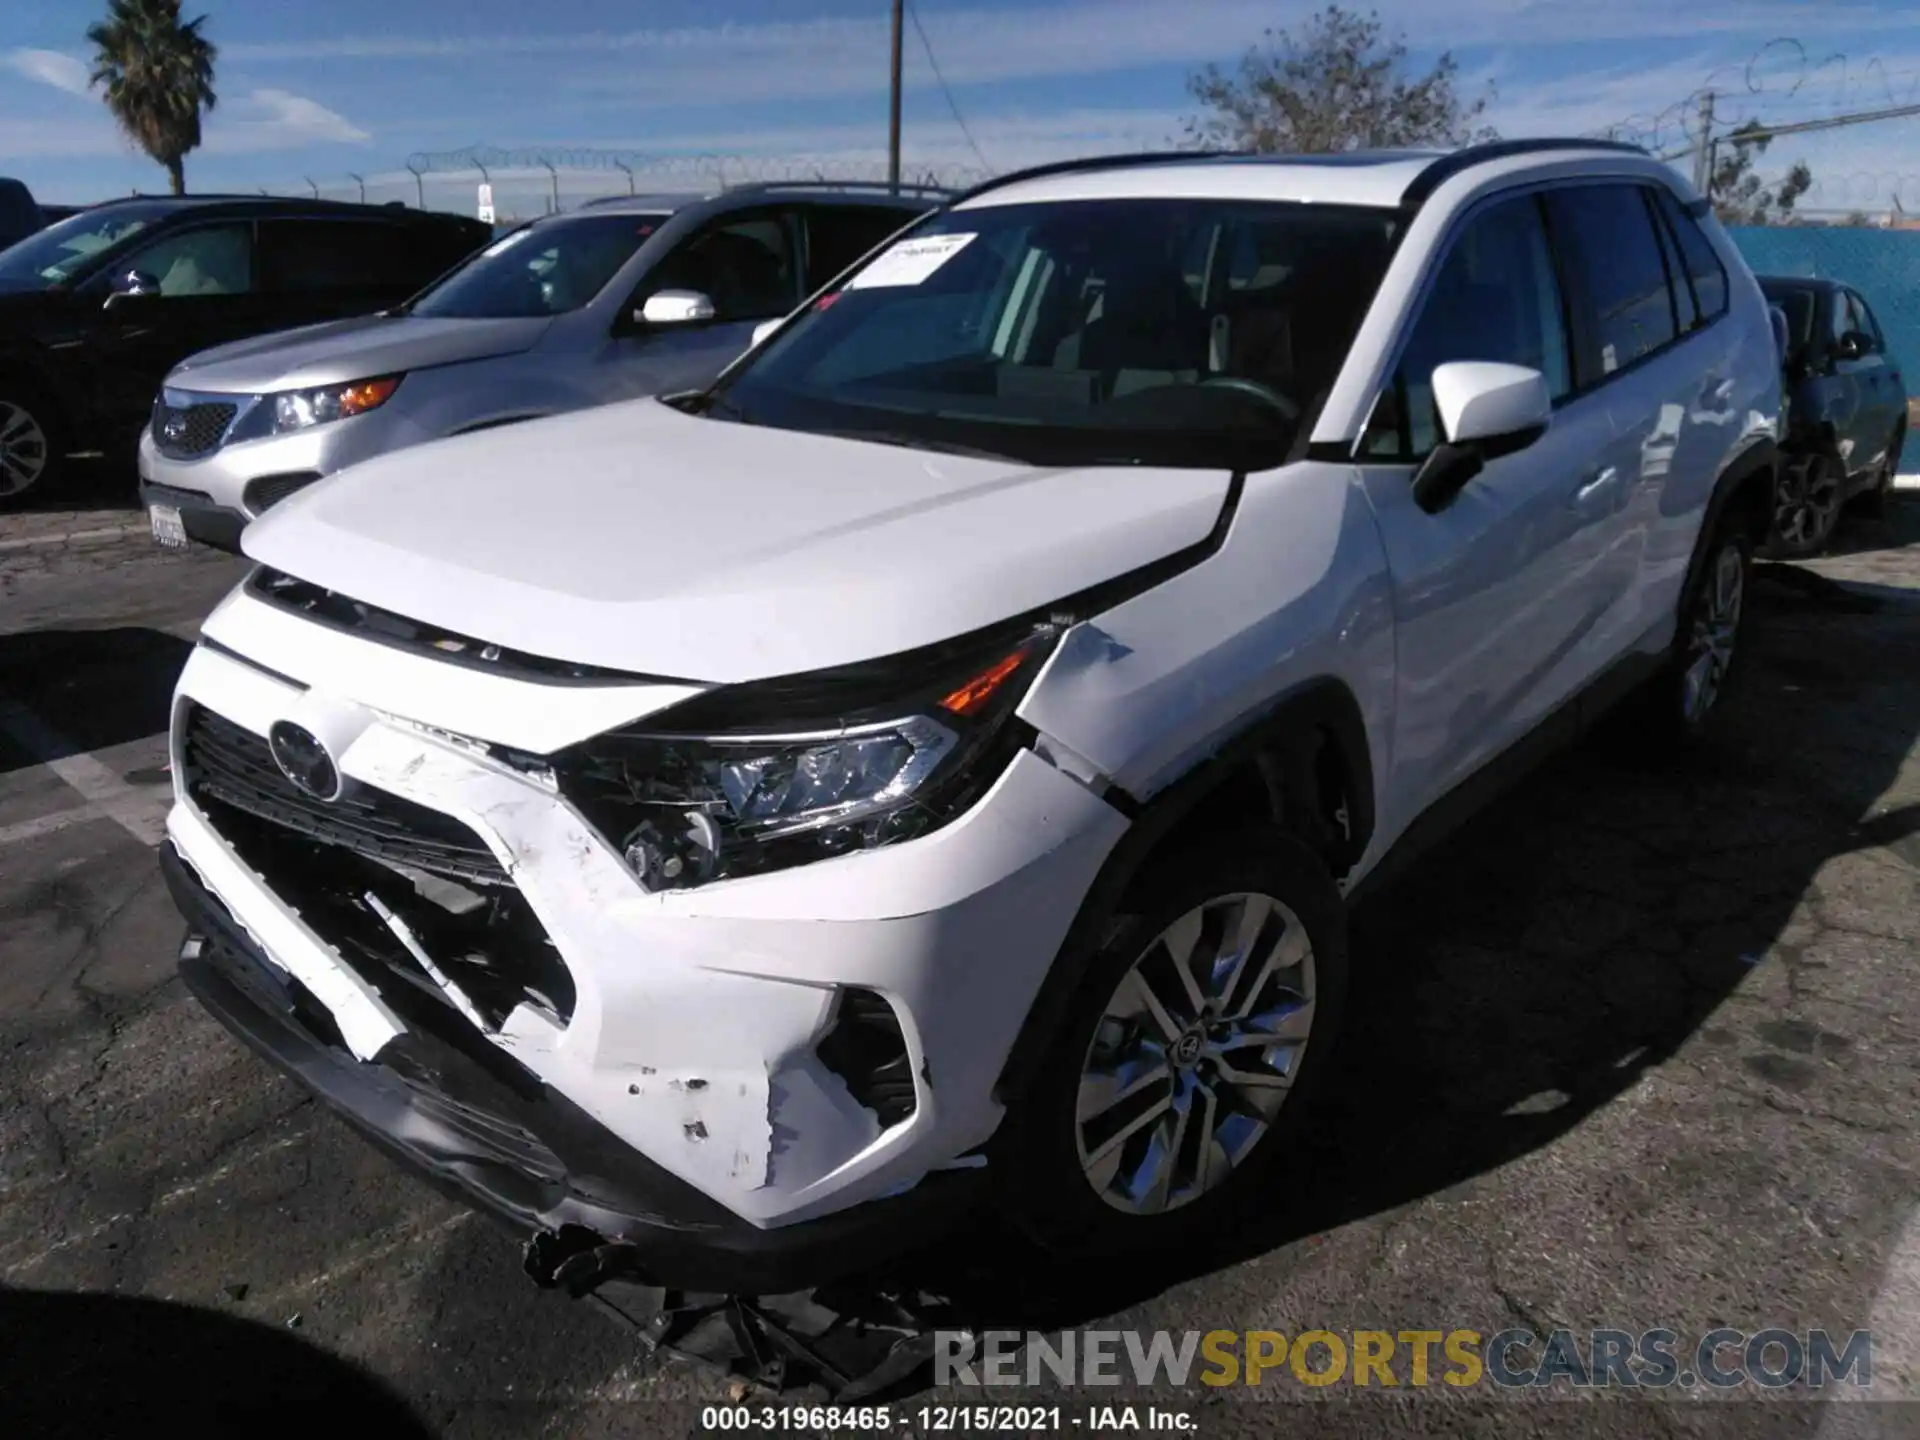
[(973, 696), (367, 395)]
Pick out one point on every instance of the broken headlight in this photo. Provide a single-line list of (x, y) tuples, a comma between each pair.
[(758, 777)]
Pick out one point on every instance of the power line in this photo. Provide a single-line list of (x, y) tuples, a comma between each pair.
[(914, 12)]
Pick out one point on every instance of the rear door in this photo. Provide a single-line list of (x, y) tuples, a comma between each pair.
[(1498, 595), (207, 292), (316, 269), (748, 263), (1660, 356)]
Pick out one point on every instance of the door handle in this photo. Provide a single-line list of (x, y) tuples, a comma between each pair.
[(1594, 484)]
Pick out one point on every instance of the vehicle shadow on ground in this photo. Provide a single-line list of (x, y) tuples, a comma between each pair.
[(71, 692), (104, 1365), (1568, 940), (1859, 533)]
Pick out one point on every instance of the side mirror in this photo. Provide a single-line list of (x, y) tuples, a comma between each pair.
[(130, 285), (763, 330), (1853, 345), (675, 307), (1487, 410)]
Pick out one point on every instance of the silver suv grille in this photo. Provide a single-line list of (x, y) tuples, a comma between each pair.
[(190, 431)]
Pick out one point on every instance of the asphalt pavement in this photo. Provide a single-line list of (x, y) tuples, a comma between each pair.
[(1635, 1050)]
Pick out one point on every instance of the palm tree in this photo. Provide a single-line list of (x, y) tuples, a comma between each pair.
[(157, 71)]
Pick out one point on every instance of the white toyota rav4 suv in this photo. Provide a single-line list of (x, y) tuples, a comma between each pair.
[(735, 832)]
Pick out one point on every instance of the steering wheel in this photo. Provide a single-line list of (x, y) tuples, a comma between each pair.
[(1266, 394)]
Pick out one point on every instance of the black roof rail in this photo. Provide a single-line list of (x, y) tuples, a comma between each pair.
[(1102, 162), (882, 186), (1465, 158)]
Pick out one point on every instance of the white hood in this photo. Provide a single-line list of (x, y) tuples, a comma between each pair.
[(639, 538)]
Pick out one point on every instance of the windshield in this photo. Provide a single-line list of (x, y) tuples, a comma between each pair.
[(56, 254), (547, 268), (1165, 331)]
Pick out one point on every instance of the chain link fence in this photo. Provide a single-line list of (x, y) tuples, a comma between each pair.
[(528, 183)]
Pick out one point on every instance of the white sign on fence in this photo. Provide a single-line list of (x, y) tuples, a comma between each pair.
[(486, 204)]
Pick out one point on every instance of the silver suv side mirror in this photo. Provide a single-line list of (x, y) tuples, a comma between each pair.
[(676, 307)]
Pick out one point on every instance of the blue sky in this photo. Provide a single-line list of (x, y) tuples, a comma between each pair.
[(323, 91)]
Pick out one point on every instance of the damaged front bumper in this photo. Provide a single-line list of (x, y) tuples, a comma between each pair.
[(487, 1131), (783, 1069)]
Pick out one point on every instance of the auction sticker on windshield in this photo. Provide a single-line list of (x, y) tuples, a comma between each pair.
[(910, 262)]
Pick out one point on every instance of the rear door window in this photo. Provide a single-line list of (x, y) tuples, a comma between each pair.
[(1608, 232), (303, 256), (838, 235), (1705, 274)]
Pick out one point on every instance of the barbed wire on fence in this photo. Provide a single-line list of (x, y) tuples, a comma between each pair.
[(1781, 74)]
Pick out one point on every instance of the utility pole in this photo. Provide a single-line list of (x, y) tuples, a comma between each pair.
[(893, 119), (1703, 157)]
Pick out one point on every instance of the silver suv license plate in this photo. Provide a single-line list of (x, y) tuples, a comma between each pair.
[(167, 527)]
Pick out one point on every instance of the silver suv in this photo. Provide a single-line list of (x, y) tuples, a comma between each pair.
[(618, 299)]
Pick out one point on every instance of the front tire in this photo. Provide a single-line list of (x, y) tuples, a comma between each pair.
[(1180, 1078), (32, 445)]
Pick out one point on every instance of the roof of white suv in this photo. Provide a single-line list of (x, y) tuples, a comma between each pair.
[(1385, 178)]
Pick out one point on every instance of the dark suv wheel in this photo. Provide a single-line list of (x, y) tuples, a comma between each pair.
[(32, 444)]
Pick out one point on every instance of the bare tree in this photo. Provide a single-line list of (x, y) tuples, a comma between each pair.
[(1740, 197), (1339, 84)]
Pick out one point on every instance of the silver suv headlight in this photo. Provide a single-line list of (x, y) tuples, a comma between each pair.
[(290, 410)]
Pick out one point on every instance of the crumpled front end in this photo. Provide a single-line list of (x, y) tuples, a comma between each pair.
[(472, 972)]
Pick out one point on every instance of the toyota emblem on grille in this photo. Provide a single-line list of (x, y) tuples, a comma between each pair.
[(304, 760), (174, 429)]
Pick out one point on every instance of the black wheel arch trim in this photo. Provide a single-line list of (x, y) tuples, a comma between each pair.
[(1764, 457), (1323, 705)]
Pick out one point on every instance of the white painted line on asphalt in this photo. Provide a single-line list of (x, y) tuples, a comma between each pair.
[(25, 830), (141, 813)]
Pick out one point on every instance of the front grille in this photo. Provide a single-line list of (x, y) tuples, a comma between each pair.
[(191, 431), (231, 765), (269, 490)]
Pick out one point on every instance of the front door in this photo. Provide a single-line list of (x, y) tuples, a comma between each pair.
[(747, 264), (1496, 596), (206, 294)]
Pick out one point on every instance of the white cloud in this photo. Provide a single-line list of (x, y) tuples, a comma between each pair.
[(49, 67), (277, 120)]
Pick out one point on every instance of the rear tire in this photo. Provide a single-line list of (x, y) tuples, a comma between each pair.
[(1158, 1113), (1687, 705), (33, 444)]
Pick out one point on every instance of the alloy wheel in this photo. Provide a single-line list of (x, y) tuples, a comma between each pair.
[(23, 449), (1715, 628), (1807, 503), (1195, 1053)]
